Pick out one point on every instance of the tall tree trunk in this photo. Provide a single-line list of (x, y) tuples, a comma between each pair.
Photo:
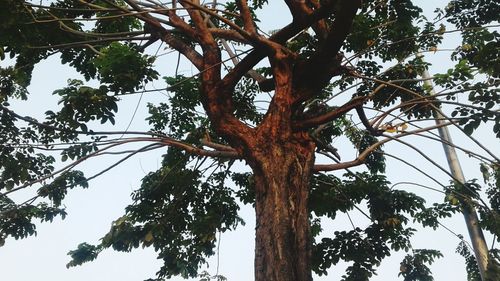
[(283, 243)]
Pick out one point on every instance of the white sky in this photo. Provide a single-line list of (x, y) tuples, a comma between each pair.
[(91, 211)]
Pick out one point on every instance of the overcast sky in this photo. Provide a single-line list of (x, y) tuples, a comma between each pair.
[(43, 258)]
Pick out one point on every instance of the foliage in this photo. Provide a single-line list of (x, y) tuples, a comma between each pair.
[(365, 248), (123, 69), (470, 262), (413, 266)]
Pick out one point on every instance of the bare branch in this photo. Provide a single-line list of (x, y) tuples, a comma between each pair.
[(363, 155)]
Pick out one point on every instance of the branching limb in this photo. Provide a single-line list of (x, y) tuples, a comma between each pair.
[(432, 105), (330, 116), (216, 96), (189, 52), (227, 34), (154, 137), (366, 123), (156, 143), (132, 153), (70, 166), (317, 71), (246, 16), (435, 137), (363, 155), (33, 121), (247, 63), (302, 9), (320, 27)]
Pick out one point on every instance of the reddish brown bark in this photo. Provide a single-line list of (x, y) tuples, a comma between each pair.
[(281, 155), (282, 162), (282, 170)]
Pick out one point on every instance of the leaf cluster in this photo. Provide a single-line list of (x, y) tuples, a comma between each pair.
[(365, 248), (177, 211)]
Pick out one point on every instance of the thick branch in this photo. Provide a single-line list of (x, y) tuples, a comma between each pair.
[(228, 34), (321, 27), (302, 9), (316, 72), (248, 22), (216, 96), (366, 123), (337, 166), (280, 37), (216, 146), (201, 152), (330, 116)]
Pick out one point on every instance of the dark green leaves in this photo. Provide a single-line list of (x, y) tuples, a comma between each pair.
[(244, 101), (57, 189), (483, 97), (178, 211), (185, 102), (357, 246), (470, 262), (388, 31), (430, 216), (82, 104), (84, 253), (183, 215), (16, 220), (467, 13), (12, 84), (388, 211), (19, 164), (490, 218), (123, 69), (414, 268), (362, 140), (158, 116)]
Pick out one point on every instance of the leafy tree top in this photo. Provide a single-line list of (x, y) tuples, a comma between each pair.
[(339, 70)]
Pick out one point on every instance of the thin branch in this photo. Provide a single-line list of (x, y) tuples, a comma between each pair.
[(69, 166), (436, 137), (428, 158), (87, 42), (363, 155), (434, 107), (88, 133), (159, 137)]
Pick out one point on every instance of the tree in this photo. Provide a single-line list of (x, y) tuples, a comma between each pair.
[(334, 57)]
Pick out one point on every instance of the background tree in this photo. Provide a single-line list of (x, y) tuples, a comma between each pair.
[(333, 58)]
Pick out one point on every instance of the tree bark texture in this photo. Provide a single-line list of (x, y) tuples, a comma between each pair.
[(281, 157), (283, 243)]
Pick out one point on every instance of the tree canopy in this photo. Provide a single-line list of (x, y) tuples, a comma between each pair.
[(347, 73)]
